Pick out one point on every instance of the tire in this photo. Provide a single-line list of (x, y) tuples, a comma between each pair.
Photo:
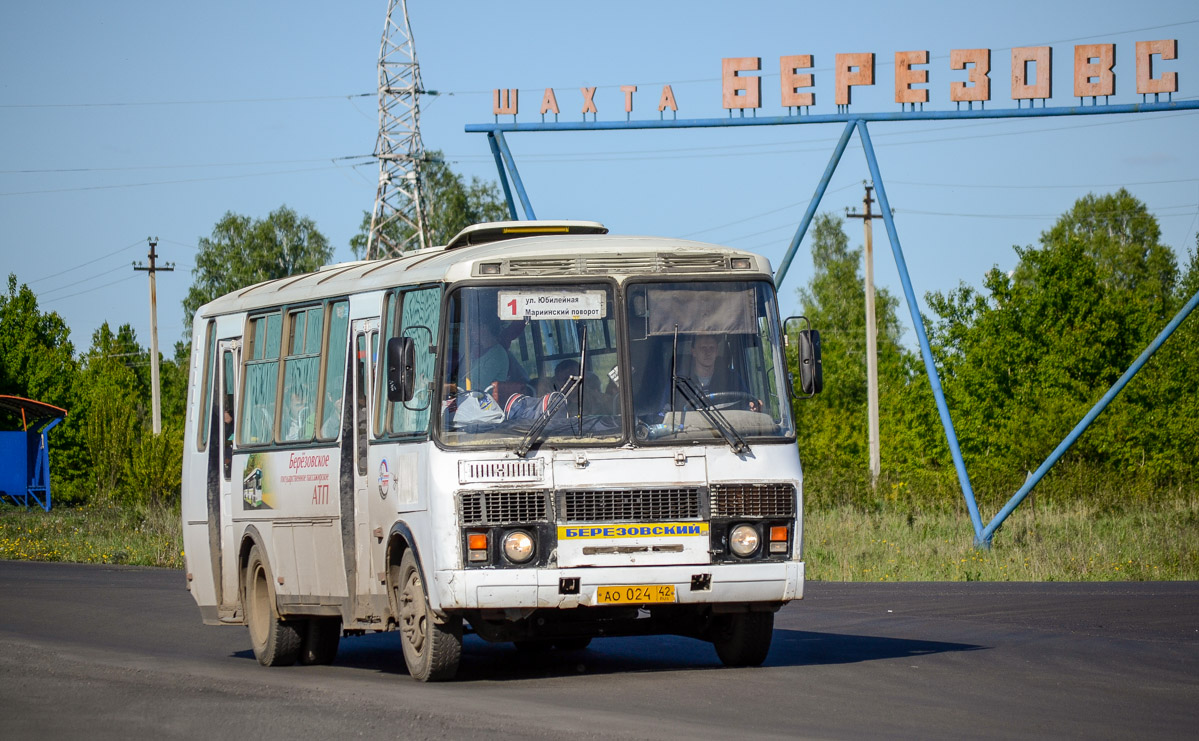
[(320, 639), (432, 647), (275, 641), (743, 639)]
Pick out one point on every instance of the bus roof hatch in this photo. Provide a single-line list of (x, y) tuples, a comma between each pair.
[(496, 231)]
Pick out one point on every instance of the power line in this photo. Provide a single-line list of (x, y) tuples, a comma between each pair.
[(351, 96), (213, 101), (84, 280), (173, 182), (182, 167), (90, 289), (85, 264)]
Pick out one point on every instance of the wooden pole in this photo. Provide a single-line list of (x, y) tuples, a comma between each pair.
[(871, 340), (155, 392)]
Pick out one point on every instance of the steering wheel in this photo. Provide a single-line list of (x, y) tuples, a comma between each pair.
[(733, 400)]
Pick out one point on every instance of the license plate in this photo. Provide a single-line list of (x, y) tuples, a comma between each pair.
[(635, 595)]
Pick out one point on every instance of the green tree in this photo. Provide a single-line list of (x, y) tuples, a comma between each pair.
[(243, 251), (451, 205), (112, 404), (1026, 357), (36, 355), (835, 425)]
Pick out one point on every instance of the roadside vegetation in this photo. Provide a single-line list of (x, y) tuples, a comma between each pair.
[(1023, 356)]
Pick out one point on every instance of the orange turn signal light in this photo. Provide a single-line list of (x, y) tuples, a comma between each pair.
[(477, 541), (778, 532)]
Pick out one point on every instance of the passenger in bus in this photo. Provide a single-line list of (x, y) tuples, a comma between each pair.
[(332, 424), (710, 372), (486, 365), (297, 422)]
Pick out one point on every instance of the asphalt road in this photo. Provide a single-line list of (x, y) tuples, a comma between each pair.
[(113, 652)]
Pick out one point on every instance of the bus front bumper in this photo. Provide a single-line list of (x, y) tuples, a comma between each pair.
[(463, 589)]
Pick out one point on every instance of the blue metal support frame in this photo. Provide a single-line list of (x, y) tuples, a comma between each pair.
[(504, 160), (985, 535), (930, 366), (499, 165), (520, 188), (40, 481), (813, 204)]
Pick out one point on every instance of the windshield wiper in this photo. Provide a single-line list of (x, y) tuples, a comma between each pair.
[(695, 397), (568, 388)]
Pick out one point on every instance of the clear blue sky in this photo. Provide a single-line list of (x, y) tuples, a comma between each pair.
[(124, 120)]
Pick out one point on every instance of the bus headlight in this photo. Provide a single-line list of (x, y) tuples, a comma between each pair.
[(743, 540), (518, 546)]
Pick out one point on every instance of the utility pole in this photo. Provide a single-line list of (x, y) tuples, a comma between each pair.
[(153, 268), (871, 337)]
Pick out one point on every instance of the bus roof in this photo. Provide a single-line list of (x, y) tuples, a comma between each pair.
[(510, 256)]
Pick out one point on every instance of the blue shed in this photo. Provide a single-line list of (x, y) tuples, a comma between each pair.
[(25, 453)]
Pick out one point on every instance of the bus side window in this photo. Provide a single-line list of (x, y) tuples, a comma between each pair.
[(301, 371), (227, 415), (261, 375), (209, 379), (361, 400), (335, 370), (419, 312)]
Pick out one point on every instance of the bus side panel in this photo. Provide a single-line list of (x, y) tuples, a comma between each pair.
[(290, 496)]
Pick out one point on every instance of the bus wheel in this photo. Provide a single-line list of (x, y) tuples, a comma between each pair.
[(743, 639), (432, 649), (275, 642), (319, 644)]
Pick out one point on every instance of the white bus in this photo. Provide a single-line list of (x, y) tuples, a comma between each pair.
[(538, 433)]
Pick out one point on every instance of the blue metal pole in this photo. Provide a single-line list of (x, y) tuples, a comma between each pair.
[(930, 366), (520, 188), (499, 166), (1096, 410), (954, 115), (813, 204)]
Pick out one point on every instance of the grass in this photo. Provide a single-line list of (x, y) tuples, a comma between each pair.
[(1053, 542), (1062, 541), (144, 536)]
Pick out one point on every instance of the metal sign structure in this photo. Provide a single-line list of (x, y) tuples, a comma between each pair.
[(506, 166), (25, 453)]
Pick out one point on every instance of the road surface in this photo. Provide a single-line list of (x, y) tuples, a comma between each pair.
[(117, 652)]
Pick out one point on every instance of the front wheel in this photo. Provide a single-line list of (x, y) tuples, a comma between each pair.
[(743, 639), (432, 647), (275, 642)]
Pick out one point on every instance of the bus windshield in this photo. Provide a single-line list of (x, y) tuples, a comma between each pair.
[(707, 362), (529, 364)]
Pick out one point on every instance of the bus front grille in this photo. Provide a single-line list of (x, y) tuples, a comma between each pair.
[(503, 507), (753, 500), (631, 505)]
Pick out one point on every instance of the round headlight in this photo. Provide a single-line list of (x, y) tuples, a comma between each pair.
[(518, 546), (744, 539)]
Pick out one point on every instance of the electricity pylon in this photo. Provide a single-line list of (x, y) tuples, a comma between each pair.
[(398, 220)]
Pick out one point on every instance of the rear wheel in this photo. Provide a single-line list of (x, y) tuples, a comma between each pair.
[(320, 639), (275, 642), (743, 639), (432, 646)]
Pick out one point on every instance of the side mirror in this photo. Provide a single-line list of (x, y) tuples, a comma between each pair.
[(401, 368), (811, 371)]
